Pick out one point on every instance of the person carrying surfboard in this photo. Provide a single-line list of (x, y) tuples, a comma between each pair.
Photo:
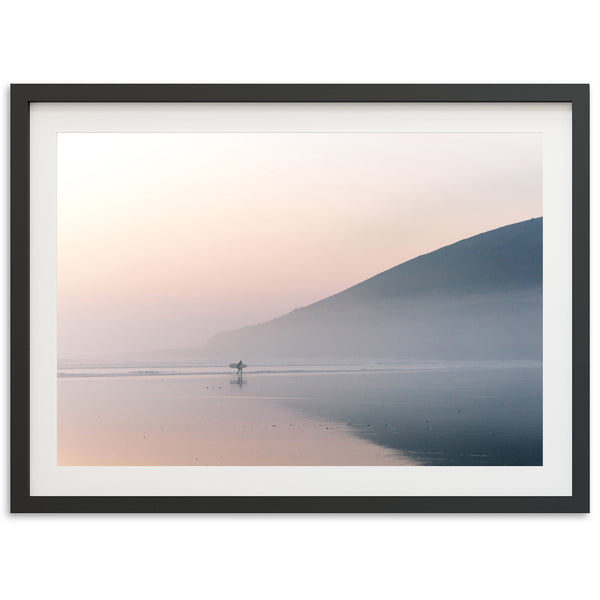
[(240, 366)]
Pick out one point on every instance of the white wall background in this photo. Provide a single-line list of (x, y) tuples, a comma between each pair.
[(541, 556)]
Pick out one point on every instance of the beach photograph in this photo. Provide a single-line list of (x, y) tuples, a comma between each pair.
[(299, 299)]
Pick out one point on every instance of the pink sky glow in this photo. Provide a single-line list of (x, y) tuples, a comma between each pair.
[(165, 239)]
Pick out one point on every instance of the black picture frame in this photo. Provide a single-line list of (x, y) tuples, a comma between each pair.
[(22, 95)]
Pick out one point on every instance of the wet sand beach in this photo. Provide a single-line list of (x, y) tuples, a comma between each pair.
[(472, 415), (196, 420)]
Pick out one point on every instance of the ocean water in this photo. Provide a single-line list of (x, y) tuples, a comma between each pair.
[(301, 413)]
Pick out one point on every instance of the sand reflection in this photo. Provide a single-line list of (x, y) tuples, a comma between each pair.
[(198, 420)]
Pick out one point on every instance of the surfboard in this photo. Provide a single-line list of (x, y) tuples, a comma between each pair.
[(237, 366)]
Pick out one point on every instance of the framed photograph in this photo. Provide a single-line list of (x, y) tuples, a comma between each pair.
[(300, 298)]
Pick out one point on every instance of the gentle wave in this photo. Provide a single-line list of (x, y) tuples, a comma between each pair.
[(255, 372), (171, 371)]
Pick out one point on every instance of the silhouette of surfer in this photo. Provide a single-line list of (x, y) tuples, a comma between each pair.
[(239, 366)]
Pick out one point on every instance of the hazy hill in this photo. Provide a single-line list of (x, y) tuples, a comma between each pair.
[(478, 298)]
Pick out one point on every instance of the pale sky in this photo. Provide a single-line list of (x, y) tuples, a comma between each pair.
[(165, 239)]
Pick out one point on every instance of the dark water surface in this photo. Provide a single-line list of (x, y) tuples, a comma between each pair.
[(439, 417)]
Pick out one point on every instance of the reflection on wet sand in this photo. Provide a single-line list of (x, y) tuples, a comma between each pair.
[(470, 414), (199, 420)]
